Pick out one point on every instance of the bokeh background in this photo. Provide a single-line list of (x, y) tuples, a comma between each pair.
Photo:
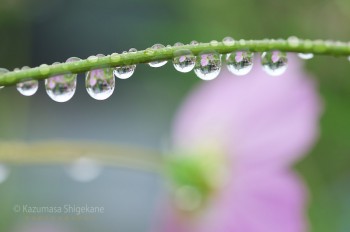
[(140, 112)]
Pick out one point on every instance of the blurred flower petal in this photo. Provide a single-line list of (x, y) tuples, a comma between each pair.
[(258, 119), (250, 203), (262, 125)]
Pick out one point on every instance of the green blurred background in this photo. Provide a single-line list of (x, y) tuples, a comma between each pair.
[(140, 111)]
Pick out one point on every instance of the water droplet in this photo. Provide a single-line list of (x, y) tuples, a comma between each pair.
[(100, 83), (124, 72), (188, 198), (308, 44), (194, 43), (156, 64), (4, 173), (214, 43), (274, 62), (28, 88), (306, 56), (44, 69), (242, 42), (149, 51), (70, 60), (3, 71), (208, 65), (84, 170), (184, 60), (178, 44), (115, 57), (61, 88), (293, 41), (73, 59), (348, 58), (228, 41), (240, 63), (92, 59)]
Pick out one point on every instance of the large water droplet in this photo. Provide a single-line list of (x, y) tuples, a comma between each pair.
[(100, 83), (184, 60), (228, 41), (124, 72), (306, 56), (240, 63), (3, 71), (61, 88), (274, 62), (156, 64), (28, 88), (84, 170), (208, 65), (4, 173)]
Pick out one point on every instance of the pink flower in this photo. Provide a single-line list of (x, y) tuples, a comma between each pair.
[(261, 125)]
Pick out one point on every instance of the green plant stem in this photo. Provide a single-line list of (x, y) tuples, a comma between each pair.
[(317, 47), (62, 152)]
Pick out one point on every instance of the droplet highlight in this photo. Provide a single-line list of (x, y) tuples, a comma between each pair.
[(100, 83), (208, 65), (157, 64), (306, 56), (274, 62), (240, 63)]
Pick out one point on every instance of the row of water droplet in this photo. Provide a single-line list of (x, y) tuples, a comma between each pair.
[(100, 83)]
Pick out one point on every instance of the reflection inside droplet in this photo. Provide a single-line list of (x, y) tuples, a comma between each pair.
[(274, 62), (208, 65)]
